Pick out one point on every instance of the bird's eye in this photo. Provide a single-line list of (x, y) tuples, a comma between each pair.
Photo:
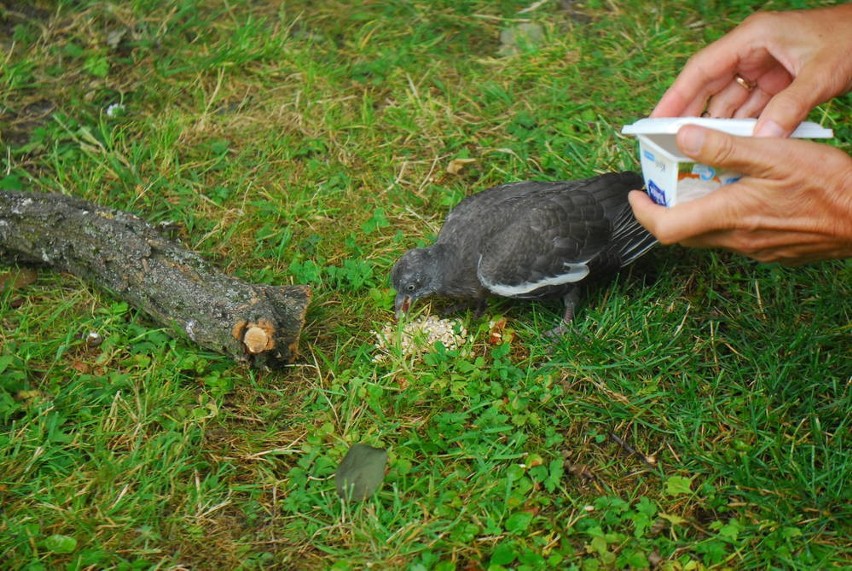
[(410, 287)]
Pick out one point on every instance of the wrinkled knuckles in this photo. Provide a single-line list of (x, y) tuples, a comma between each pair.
[(747, 244), (719, 149)]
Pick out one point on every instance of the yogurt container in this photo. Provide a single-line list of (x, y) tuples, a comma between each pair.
[(670, 177)]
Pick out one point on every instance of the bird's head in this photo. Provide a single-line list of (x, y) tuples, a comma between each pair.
[(415, 275)]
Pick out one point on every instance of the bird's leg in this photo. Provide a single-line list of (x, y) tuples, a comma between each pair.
[(480, 307), (477, 306), (570, 299)]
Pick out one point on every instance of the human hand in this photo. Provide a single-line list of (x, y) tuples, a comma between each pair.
[(793, 204), (793, 61)]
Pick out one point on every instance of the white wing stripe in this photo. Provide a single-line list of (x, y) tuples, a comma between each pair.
[(575, 273)]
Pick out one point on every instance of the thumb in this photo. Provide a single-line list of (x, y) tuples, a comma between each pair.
[(684, 221), (644, 209), (788, 108), (747, 155)]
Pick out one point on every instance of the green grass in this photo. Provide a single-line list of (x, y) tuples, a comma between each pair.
[(696, 416)]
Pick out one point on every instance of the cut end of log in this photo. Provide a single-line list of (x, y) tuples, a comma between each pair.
[(256, 340), (257, 337), (272, 342)]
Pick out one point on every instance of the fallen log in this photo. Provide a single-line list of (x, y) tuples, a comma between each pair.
[(133, 260)]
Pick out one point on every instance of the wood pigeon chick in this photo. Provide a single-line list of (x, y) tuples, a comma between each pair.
[(528, 240)]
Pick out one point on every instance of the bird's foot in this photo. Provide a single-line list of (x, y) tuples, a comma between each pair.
[(571, 299), (557, 332)]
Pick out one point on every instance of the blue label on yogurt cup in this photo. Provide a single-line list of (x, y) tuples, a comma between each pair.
[(656, 193)]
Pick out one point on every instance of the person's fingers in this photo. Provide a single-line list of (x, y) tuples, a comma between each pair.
[(679, 225), (728, 100), (687, 221), (772, 77), (789, 107), (676, 103), (789, 248), (745, 155), (705, 74), (752, 106)]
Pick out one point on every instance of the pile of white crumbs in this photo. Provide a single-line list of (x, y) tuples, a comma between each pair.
[(419, 336)]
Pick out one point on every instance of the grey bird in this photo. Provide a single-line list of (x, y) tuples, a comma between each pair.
[(528, 240)]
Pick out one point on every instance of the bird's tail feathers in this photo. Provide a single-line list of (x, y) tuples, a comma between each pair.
[(630, 239)]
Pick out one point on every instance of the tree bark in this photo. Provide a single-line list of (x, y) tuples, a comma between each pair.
[(122, 253)]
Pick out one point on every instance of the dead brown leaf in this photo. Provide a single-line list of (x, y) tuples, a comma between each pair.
[(456, 166), (18, 278)]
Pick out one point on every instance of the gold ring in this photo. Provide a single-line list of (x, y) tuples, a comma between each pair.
[(746, 84)]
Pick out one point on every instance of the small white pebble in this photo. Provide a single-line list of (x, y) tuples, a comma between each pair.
[(94, 339)]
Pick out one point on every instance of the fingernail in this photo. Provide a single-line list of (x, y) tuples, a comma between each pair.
[(691, 140), (769, 128)]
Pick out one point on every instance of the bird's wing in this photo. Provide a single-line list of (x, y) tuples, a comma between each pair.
[(480, 204), (476, 217), (544, 241), (630, 240), (610, 190)]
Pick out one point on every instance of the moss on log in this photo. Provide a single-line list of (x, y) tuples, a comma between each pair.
[(122, 253)]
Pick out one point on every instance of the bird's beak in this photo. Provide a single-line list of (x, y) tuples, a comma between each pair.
[(402, 304)]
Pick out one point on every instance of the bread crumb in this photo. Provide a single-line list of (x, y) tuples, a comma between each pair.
[(419, 336)]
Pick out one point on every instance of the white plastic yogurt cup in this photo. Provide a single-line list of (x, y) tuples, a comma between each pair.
[(672, 178)]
